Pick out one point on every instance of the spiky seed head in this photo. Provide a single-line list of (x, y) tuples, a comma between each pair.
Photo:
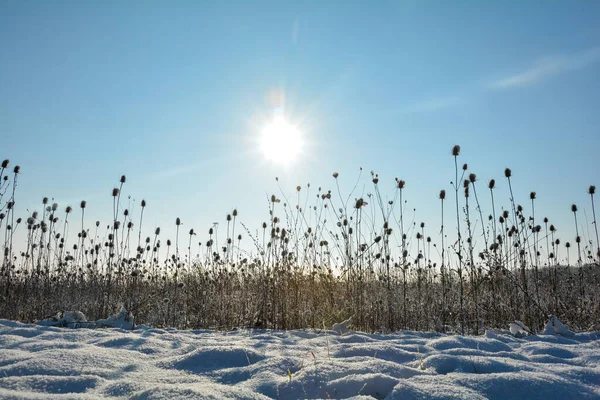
[(492, 183), (472, 178), (54, 206), (507, 173), (567, 245), (126, 212), (466, 191), (228, 217), (442, 194), (157, 231), (375, 180), (177, 221), (465, 167), (192, 232), (97, 224), (68, 209), (574, 208), (168, 242), (17, 169), (401, 184), (456, 150), (129, 225), (519, 208), (592, 189), (532, 195), (5, 163), (578, 239), (83, 204), (422, 225), (239, 237), (335, 175), (123, 178), (501, 219), (115, 192), (235, 212), (466, 183), (117, 224), (545, 220), (45, 201), (143, 203)]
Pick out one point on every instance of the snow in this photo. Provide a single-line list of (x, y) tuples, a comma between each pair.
[(49, 362)]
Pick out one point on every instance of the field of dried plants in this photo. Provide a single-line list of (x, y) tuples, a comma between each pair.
[(319, 259)]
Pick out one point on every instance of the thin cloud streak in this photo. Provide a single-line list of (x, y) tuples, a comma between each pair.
[(547, 68), (435, 104)]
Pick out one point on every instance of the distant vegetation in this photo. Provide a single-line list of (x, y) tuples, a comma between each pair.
[(319, 259)]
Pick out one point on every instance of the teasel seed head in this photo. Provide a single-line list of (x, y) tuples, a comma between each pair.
[(17, 169), (401, 184), (574, 208), (592, 189), (465, 167), (157, 231), (115, 192), (507, 172), (143, 203), (54, 206), (192, 232), (472, 178), (466, 183), (492, 183), (5, 163), (235, 212), (335, 175), (68, 209), (168, 242), (456, 150), (45, 201), (228, 217), (83, 204), (123, 178), (545, 220), (442, 194), (177, 221), (532, 195)]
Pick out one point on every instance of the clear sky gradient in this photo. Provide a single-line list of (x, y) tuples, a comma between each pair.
[(174, 94)]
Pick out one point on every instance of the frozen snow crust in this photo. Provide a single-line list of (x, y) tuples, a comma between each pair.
[(45, 362)]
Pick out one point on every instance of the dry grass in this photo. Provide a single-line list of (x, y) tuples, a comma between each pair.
[(355, 259)]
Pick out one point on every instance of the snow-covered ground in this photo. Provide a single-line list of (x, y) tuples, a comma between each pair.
[(42, 362)]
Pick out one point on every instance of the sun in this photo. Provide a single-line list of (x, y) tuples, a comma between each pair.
[(280, 141)]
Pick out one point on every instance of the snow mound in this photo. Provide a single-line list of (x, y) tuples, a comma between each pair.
[(342, 327), (555, 327), (76, 319), (50, 362)]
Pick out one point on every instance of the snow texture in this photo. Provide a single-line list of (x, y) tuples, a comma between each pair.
[(47, 362)]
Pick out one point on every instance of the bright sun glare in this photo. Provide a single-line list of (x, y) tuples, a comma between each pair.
[(280, 141)]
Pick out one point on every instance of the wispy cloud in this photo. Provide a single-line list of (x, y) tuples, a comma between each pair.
[(549, 67), (434, 104)]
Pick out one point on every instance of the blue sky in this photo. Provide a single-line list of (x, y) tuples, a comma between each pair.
[(173, 94)]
